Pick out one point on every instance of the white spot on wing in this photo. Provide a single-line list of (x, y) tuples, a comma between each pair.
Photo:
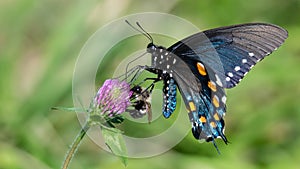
[(230, 74), (218, 81), (237, 68), (227, 79), (244, 61), (251, 54), (224, 99), (174, 61)]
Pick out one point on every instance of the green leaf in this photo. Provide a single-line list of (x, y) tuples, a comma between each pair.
[(115, 142)]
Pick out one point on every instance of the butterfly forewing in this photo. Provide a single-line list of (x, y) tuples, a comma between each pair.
[(231, 51)]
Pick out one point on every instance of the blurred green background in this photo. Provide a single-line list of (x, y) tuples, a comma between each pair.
[(39, 44)]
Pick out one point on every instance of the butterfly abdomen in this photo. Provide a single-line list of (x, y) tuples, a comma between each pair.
[(169, 98)]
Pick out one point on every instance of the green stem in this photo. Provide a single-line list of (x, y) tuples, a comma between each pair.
[(70, 154)]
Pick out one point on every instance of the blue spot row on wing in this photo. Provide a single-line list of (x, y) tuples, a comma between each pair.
[(170, 102)]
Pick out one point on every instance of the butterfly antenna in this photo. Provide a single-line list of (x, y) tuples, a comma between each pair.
[(141, 30), (145, 32)]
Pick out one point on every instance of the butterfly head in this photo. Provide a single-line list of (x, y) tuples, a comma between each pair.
[(151, 47)]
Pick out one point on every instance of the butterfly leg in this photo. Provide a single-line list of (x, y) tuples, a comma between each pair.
[(137, 70)]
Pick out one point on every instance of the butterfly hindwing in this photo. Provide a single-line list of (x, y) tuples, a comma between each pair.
[(212, 105)]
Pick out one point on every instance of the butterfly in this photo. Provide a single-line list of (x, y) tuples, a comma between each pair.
[(204, 64)]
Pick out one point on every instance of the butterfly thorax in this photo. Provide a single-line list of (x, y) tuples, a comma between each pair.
[(161, 59)]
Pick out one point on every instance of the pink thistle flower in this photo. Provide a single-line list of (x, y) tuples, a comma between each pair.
[(113, 97)]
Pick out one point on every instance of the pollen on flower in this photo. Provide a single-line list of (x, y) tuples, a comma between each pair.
[(113, 97)]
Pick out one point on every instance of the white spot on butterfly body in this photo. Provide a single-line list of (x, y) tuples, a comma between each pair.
[(251, 54), (237, 68)]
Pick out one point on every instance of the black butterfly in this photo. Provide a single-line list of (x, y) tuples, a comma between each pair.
[(205, 63)]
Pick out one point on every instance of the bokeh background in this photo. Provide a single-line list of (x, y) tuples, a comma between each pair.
[(39, 44)]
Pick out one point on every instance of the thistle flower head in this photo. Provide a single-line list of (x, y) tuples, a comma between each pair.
[(113, 97)]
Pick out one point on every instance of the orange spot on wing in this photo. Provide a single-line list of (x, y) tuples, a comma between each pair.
[(202, 119), (212, 86), (201, 69), (216, 117), (213, 124), (216, 101), (192, 106)]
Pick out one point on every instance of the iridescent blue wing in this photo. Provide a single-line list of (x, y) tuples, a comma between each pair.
[(231, 51), (203, 97)]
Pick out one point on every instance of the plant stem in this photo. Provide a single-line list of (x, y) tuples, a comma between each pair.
[(71, 152)]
